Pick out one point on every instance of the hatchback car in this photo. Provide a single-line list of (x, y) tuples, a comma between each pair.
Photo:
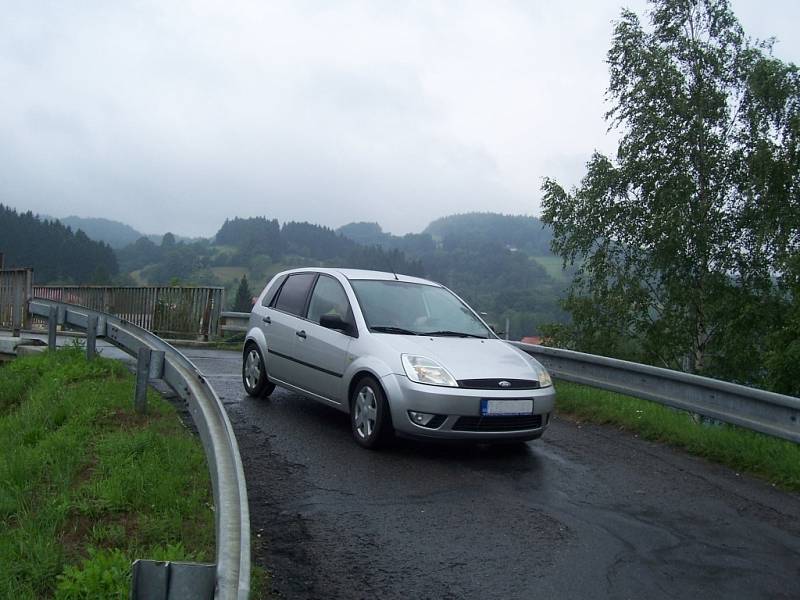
[(399, 354)]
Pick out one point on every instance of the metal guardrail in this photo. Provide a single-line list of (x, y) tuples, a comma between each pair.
[(759, 410), (235, 322), (232, 518)]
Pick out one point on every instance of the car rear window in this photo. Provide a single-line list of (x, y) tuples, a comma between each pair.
[(294, 293)]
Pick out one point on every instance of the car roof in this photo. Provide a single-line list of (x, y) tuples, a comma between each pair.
[(365, 274)]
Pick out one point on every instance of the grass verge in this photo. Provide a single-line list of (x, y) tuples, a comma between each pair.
[(87, 485), (773, 459)]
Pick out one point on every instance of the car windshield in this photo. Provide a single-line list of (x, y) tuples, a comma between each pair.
[(407, 308)]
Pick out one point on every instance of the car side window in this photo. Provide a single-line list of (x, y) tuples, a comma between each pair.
[(294, 293), (271, 293), (328, 298)]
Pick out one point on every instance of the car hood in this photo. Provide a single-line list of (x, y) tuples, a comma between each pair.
[(466, 358)]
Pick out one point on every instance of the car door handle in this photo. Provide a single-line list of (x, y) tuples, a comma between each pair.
[(300, 333), (267, 320)]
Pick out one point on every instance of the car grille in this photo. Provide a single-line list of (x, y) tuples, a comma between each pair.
[(498, 423), (494, 384)]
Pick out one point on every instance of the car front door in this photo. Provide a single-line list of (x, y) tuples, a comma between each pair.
[(323, 351)]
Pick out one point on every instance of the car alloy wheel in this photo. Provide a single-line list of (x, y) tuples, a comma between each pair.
[(365, 412), (369, 414), (254, 374)]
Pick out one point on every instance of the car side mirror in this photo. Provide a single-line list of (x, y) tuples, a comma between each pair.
[(334, 322)]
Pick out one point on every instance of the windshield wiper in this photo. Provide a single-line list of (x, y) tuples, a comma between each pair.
[(390, 329), (455, 334)]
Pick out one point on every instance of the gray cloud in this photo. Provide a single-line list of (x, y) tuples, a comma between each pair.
[(173, 116)]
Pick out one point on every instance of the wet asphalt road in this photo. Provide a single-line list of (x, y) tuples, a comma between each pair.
[(585, 512)]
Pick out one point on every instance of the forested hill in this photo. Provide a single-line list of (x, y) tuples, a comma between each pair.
[(527, 234), (55, 251), (258, 236)]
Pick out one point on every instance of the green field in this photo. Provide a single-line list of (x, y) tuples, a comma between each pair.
[(553, 266), (229, 273), (87, 485), (776, 460)]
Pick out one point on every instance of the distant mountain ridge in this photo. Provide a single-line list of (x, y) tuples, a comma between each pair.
[(515, 232), (114, 233)]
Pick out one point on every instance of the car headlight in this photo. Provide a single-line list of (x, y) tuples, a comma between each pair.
[(427, 370), (542, 376)]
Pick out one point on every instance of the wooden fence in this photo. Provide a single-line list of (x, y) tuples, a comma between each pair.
[(169, 312), (15, 291)]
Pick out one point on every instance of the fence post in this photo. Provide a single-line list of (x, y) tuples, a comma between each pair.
[(91, 337), (205, 326), (17, 305), (52, 323), (26, 316), (142, 376)]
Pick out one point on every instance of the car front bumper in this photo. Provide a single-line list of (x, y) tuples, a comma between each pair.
[(461, 409)]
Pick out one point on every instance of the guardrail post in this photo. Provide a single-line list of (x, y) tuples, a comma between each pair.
[(91, 337), (142, 376), (157, 359), (174, 580), (52, 323)]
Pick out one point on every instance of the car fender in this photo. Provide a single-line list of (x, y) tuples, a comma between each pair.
[(369, 364), (255, 334)]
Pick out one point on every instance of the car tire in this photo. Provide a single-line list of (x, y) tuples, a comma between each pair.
[(254, 373), (370, 419)]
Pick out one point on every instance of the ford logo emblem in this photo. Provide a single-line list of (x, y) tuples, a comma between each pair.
[(504, 384)]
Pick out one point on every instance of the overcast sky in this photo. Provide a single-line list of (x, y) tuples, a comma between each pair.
[(172, 115)]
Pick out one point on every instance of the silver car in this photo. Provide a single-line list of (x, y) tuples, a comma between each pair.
[(398, 354)]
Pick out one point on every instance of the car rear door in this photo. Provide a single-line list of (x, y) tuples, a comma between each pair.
[(282, 325)]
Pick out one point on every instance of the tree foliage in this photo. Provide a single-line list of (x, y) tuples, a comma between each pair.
[(255, 236), (685, 241), (55, 251), (244, 296)]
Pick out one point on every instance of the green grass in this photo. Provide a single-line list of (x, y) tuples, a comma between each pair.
[(228, 273), (87, 485), (776, 460)]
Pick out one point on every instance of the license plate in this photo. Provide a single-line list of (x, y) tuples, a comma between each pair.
[(506, 407)]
